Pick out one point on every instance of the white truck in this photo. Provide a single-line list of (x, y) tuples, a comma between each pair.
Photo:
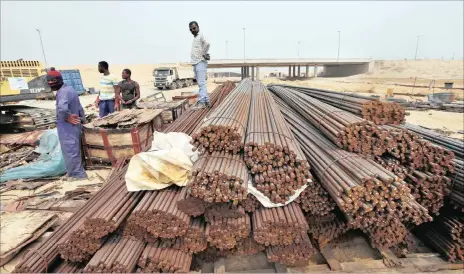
[(173, 77)]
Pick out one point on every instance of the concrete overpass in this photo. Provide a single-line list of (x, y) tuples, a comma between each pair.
[(331, 66)]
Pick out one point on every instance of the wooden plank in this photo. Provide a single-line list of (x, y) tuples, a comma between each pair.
[(220, 266), (422, 255), (389, 259), (330, 258)]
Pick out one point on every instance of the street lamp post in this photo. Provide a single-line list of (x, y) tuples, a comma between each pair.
[(417, 46), (244, 44), (298, 49), (41, 43), (338, 53)]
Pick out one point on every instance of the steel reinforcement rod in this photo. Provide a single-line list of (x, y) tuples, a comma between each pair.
[(190, 120), (224, 233), (315, 200), (118, 255), (367, 194), (343, 128), (219, 177), (112, 209), (164, 256), (271, 151), (369, 108), (325, 229), (158, 215), (40, 259), (296, 254), (278, 225), (224, 128)]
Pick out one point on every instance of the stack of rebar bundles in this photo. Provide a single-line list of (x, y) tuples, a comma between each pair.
[(324, 229), (366, 107), (188, 122), (368, 195)]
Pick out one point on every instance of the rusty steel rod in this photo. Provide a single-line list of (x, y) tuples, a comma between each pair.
[(118, 255), (327, 228), (224, 233), (278, 225), (223, 210), (47, 253), (219, 177), (250, 204), (224, 128), (271, 151), (164, 256), (296, 254), (190, 120), (190, 205), (366, 107), (157, 214), (315, 200), (366, 193)]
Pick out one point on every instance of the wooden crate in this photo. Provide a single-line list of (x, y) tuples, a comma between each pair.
[(104, 145)]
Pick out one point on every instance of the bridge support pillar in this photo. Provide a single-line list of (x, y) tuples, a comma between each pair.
[(307, 71), (257, 73), (315, 71), (289, 71), (294, 71), (299, 71), (252, 73)]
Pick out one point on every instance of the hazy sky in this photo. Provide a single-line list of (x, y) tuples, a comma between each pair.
[(155, 32)]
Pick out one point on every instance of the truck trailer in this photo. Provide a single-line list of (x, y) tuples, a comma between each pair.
[(173, 77)]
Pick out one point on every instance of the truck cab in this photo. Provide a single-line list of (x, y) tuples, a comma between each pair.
[(173, 77), (163, 77)]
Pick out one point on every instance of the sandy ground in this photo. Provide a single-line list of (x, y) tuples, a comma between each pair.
[(386, 74)]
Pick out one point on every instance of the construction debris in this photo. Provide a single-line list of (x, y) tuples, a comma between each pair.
[(127, 118)]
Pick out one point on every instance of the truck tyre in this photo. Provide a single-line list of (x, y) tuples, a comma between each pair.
[(190, 82), (173, 86), (179, 84), (160, 88)]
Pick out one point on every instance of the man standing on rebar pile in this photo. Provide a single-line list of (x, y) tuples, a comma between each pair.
[(199, 58), (130, 90), (108, 99), (69, 117)]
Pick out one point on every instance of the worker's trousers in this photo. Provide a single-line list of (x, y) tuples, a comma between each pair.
[(70, 141), (200, 75)]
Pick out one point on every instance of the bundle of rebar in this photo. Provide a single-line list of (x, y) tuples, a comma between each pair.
[(194, 240), (361, 188), (278, 225), (219, 177), (118, 254), (249, 246), (324, 230), (445, 234), (315, 200), (40, 259), (271, 151), (369, 108), (407, 246), (190, 120), (387, 235), (250, 204), (428, 189), (343, 128), (157, 213), (418, 153), (457, 146), (295, 254), (224, 233), (68, 267), (190, 205), (113, 209), (456, 185), (212, 254), (164, 256), (224, 128), (223, 210)]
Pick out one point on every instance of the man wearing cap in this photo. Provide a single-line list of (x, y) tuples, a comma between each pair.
[(69, 117)]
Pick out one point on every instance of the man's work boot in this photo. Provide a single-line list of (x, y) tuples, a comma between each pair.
[(199, 105)]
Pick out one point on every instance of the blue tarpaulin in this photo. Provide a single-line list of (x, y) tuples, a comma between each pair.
[(49, 164)]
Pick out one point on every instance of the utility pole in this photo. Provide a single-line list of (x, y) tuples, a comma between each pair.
[(338, 53), (298, 49), (227, 54), (43, 51), (417, 46), (244, 45)]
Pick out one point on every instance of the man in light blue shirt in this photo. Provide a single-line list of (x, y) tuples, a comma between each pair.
[(199, 59)]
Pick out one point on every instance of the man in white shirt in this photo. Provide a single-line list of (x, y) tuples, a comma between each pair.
[(199, 59)]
